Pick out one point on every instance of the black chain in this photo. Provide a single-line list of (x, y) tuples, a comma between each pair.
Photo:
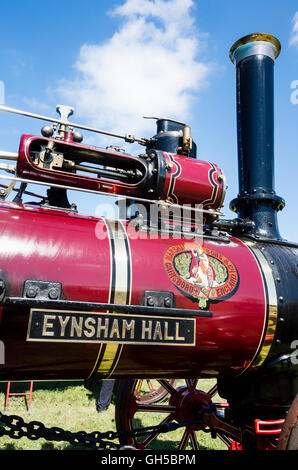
[(36, 430), (94, 440)]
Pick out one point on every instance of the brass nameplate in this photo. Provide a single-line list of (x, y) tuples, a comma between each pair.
[(91, 327)]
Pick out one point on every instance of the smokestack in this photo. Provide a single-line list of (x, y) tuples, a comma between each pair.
[(254, 56)]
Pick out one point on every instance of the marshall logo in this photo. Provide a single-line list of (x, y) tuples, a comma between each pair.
[(200, 273), (69, 326)]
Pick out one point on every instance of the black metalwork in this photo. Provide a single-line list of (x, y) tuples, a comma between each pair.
[(235, 226), (88, 306), (42, 290), (155, 298), (267, 391), (257, 199), (169, 138)]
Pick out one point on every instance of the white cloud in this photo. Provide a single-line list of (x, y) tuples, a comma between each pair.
[(37, 105), (294, 36), (149, 67)]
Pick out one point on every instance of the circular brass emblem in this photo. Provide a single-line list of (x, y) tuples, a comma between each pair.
[(200, 273)]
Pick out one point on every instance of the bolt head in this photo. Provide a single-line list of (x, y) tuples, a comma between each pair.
[(53, 293), (32, 292), (150, 301)]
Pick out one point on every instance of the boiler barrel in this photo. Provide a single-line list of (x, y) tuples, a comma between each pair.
[(191, 307)]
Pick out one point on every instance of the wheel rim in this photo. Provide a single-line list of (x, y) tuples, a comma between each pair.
[(150, 391), (175, 406)]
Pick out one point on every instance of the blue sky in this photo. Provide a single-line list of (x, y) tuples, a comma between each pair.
[(116, 61)]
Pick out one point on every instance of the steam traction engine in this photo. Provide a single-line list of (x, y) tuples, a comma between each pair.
[(168, 290)]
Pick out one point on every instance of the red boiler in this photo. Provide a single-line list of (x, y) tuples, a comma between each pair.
[(218, 321)]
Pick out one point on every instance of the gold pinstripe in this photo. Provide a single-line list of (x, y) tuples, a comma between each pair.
[(121, 290), (270, 320)]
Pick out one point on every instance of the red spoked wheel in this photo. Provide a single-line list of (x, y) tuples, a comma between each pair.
[(181, 402)]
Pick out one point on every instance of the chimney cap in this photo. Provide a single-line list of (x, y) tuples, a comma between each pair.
[(254, 38)]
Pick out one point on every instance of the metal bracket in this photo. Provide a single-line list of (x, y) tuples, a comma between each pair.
[(154, 298), (64, 111), (5, 192), (42, 290)]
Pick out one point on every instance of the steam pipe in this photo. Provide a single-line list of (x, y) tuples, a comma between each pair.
[(254, 56)]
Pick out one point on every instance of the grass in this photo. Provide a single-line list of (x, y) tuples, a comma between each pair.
[(71, 406)]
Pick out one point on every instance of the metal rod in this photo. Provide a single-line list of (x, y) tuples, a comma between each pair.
[(69, 124), (44, 303), (28, 193), (112, 174), (8, 155), (92, 191), (8, 168)]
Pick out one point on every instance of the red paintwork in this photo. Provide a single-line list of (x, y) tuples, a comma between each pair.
[(27, 169), (37, 243), (187, 181), (195, 181)]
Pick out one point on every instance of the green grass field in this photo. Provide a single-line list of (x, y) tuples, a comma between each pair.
[(71, 406)]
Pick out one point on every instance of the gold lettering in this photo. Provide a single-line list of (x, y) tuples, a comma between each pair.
[(146, 329), (157, 331), (47, 325), (89, 329), (128, 327), (100, 327), (76, 326), (167, 337), (115, 329), (63, 324), (178, 338)]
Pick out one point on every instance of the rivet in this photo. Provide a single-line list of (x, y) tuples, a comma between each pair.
[(281, 299)]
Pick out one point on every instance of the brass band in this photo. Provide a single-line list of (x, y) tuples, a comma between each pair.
[(269, 45), (120, 293)]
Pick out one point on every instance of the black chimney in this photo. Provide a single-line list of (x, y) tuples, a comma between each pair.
[(254, 56)]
